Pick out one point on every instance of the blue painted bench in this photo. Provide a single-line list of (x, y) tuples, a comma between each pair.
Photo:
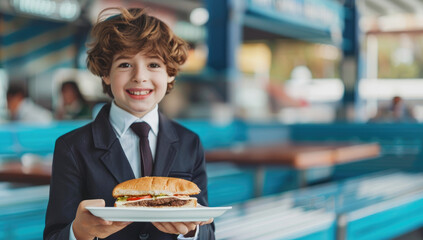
[(275, 217), (229, 184), (41, 139), (216, 135), (17, 139), (22, 212), (7, 142), (380, 205)]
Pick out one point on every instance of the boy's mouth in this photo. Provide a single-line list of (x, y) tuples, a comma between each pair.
[(139, 93)]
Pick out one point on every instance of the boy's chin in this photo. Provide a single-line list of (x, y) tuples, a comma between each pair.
[(140, 112)]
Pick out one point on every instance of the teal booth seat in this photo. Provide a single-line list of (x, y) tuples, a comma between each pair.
[(382, 205), (7, 142), (22, 212), (40, 139), (213, 135), (274, 218), (17, 139), (277, 179), (398, 217), (229, 184)]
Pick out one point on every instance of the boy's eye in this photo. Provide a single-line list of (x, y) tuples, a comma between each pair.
[(154, 65), (124, 65)]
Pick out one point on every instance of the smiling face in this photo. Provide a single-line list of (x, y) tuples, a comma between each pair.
[(138, 82)]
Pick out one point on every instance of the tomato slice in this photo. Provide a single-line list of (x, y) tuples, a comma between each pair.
[(138, 198)]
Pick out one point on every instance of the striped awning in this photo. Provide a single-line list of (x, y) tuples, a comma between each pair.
[(31, 46)]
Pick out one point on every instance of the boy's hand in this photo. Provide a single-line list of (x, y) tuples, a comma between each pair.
[(180, 227), (88, 226)]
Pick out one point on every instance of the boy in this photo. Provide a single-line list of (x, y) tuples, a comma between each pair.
[(137, 56)]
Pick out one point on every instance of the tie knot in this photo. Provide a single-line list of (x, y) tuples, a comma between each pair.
[(141, 129)]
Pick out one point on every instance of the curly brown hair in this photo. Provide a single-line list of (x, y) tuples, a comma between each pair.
[(133, 31)]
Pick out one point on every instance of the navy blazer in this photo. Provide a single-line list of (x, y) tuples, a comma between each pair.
[(89, 162)]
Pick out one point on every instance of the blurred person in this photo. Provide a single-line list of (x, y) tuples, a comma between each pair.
[(137, 57), (72, 103), (301, 75), (280, 98), (397, 112), (22, 108)]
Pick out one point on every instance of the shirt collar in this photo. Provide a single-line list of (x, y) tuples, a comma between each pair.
[(121, 120)]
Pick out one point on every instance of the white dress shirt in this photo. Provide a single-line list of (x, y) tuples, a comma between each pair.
[(121, 121)]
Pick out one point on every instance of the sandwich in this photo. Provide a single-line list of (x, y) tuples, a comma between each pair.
[(156, 192)]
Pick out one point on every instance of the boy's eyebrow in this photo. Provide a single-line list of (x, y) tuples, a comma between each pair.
[(153, 57), (127, 57), (122, 57)]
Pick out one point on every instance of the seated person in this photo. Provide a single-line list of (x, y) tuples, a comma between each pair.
[(397, 112), (22, 108), (73, 104)]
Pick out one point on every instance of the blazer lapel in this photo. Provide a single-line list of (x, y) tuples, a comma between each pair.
[(167, 147), (116, 162), (105, 138)]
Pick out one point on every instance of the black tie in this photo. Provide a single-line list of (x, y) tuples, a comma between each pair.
[(142, 129)]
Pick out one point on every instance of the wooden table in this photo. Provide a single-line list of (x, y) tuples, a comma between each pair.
[(37, 174), (297, 155), (301, 156)]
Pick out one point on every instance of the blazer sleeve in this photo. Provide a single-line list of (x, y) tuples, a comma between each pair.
[(200, 178), (66, 192)]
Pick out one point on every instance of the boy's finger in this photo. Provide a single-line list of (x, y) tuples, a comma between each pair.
[(181, 228), (170, 228), (101, 221), (160, 226), (207, 222), (121, 224), (92, 203)]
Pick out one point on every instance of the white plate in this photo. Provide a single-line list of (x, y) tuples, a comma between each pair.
[(144, 214)]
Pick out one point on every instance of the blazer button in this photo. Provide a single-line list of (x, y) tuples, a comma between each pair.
[(144, 236)]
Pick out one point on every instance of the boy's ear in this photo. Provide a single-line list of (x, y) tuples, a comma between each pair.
[(106, 80), (170, 79)]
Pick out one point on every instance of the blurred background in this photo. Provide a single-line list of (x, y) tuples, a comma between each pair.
[(310, 111)]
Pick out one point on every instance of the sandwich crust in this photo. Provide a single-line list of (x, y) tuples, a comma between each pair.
[(155, 186)]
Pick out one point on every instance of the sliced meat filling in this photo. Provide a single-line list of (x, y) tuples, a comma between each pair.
[(160, 202)]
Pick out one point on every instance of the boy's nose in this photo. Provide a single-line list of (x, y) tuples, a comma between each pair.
[(140, 75)]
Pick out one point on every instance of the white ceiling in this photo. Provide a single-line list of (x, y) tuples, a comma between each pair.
[(376, 8)]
